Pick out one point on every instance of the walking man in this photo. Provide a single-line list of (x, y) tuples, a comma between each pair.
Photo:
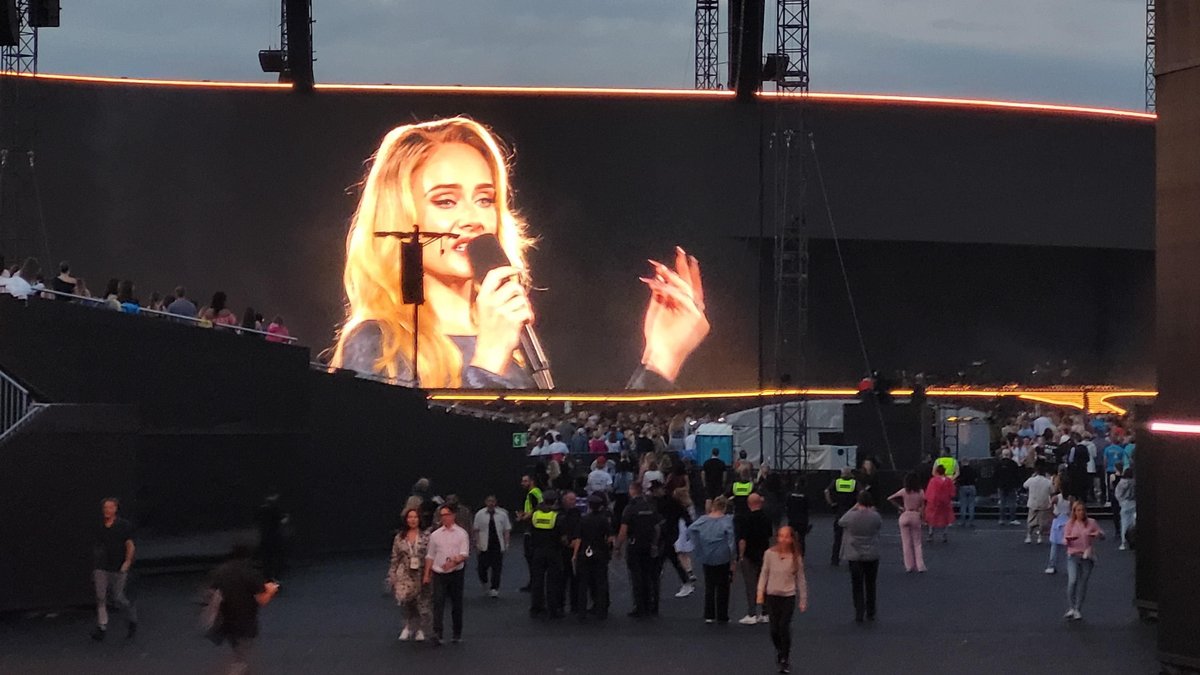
[(447, 555), (493, 533), (113, 556), (753, 532), (242, 592)]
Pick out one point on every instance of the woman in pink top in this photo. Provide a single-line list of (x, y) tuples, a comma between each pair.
[(910, 500), (782, 588), (939, 511), (1080, 533), (277, 331)]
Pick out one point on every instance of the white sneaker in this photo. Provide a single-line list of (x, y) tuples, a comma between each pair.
[(420, 636), (1076, 615), (1070, 614), (1121, 547), (685, 590), (1028, 539), (493, 593), (710, 621), (1039, 539), (748, 620), (1015, 522), (404, 634), (1049, 570), (763, 618)]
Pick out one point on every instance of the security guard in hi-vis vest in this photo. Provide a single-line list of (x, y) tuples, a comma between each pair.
[(842, 494), (548, 538), (533, 497), (740, 491)]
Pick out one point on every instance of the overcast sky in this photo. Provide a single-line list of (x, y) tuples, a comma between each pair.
[(1074, 51)]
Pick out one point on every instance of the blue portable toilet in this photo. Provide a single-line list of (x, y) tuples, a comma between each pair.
[(714, 435)]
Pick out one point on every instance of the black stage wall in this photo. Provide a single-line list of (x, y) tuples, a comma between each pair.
[(1175, 547), (200, 425), (250, 191)]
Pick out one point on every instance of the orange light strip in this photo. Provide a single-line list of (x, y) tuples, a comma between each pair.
[(836, 97), (1073, 398)]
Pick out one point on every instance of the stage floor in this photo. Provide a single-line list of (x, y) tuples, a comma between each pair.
[(984, 607)]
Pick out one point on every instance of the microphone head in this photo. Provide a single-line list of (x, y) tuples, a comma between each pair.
[(486, 255)]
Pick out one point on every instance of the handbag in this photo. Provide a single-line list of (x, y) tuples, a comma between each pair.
[(210, 616)]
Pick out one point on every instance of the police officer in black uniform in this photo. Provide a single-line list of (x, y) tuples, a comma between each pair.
[(591, 551), (548, 541), (641, 528)]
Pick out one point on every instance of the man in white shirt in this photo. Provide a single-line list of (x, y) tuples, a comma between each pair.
[(1040, 490), (449, 548), (1041, 424), (493, 532), (599, 481)]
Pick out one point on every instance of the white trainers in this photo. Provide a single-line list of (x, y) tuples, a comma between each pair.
[(493, 593), (1121, 547), (1049, 570), (685, 590), (1039, 539), (1076, 615), (1015, 522), (748, 620), (404, 634), (1070, 614), (1028, 539), (420, 636), (763, 618)]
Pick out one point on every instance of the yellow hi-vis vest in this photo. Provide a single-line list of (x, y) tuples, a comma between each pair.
[(742, 489), (544, 520), (533, 499), (948, 462), (845, 484)]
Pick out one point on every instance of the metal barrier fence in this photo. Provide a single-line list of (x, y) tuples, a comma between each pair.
[(15, 404)]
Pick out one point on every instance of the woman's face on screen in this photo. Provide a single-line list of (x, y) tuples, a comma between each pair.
[(455, 193)]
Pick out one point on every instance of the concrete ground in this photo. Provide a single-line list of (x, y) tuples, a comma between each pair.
[(985, 606)]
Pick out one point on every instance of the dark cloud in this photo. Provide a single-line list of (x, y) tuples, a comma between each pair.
[(1083, 51)]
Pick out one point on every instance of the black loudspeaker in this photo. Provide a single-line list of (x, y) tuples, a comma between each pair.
[(412, 273), (909, 432), (300, 45), (44, 13), (9, 23), (745, 47)]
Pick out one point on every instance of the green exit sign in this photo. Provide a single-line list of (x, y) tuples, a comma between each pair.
[(521, 439)]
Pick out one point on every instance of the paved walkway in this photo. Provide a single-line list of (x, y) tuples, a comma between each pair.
[(984, 607)]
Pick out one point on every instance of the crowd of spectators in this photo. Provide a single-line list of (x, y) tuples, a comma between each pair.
[(26, 280)]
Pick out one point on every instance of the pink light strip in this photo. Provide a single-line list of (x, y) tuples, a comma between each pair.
[(1176, 427)]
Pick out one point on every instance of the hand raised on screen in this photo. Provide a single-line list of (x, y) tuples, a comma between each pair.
[(675, 323), (501, 308)]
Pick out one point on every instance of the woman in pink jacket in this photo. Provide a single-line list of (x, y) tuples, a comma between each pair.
[(1080, 533), (939, 509)]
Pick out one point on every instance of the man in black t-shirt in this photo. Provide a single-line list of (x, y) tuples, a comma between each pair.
[(243, 590), (590, 553), (571, 517), (714, 478), (752, 530), (112, 555)]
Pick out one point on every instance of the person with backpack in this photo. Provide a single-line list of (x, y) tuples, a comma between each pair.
[(641, 529), (715, 548)]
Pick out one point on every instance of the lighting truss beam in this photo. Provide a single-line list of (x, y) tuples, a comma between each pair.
[(1150, 56), (791, 43), (22, 57), (707, 17)]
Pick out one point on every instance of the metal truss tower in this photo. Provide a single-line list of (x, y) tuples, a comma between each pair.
[(707, 14), (790, 245), (22, 57), (1150, 54), (791, 43)]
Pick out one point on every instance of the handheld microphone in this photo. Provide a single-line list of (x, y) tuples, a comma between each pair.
[(486, 255)]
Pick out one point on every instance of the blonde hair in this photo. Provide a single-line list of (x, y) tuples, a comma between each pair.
[(372, 275)]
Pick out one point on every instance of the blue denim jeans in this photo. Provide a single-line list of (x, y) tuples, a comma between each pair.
[(966, 504), (1079, 570), (1008, 506)]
